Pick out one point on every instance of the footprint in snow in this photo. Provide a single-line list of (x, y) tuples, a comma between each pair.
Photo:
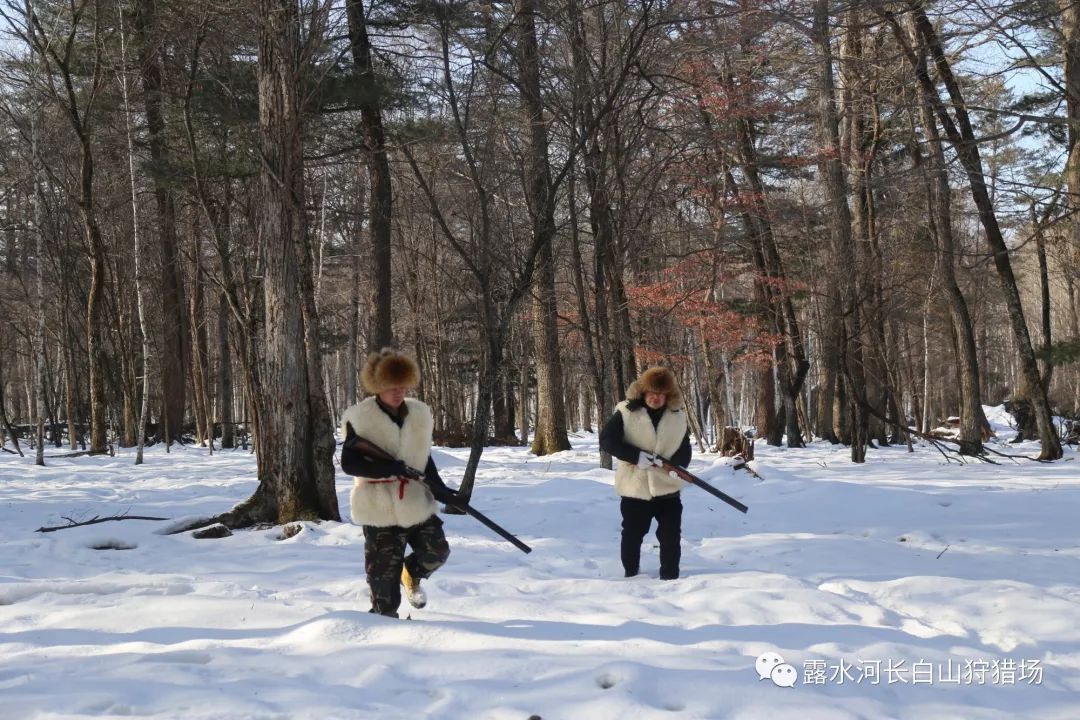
[(606, 681)]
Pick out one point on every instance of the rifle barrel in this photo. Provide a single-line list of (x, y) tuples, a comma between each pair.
[(695, 480), (374, 450), (492, 525)]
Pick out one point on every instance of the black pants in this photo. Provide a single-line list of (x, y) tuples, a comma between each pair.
[(384, 554), (637, 515)]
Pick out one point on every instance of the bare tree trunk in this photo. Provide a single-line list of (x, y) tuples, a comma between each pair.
[(498, 408), (701, 400), (380, 297), (721, 411), (570, 402), (94, 311), (765, 408), (1070, 31), (129, 392), (295, 437), (775, 433), (895, 372), (587, 410), (495, 332), (940, 221), (829, 341), (39, 236), (589, 341), (173, 306), (4, 421), (523, 403), (927, 416), (622, 332), (832, 174), (354, 357), (1044, 298), (861, 123), (1074, 330), (550, 433), (600, 224), (225, 376), (226, 383), (70, 386), (731, 414), (200, 381), (509, 430), (140, 440)]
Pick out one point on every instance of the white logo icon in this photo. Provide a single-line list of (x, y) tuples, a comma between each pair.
[(765, 663), (770, 665), (784, 675)]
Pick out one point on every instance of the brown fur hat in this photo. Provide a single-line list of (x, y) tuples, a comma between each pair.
[(389, 369), (660, 380)]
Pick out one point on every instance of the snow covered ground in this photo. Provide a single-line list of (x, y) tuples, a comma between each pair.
[(903, 588)]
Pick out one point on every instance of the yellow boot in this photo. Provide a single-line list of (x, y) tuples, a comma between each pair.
[(413, 592)]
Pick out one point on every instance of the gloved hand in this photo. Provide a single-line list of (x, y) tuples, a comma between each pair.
[(646, 460), (398, 469)]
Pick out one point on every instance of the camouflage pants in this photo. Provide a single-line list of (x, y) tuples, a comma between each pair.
[(384, 554)]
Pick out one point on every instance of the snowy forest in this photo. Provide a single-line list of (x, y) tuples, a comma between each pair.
[(830, 248), (849, 221)]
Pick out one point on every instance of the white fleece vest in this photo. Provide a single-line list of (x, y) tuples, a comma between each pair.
[(665, 439), (383, 502)]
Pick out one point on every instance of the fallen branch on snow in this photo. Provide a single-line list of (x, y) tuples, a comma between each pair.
[(937, 442), (94, 520), (1014, 458), (80, 453)]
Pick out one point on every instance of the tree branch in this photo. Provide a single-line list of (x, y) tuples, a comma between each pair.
[(94, 521)]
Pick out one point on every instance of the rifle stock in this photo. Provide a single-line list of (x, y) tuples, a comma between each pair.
[(377, 453)]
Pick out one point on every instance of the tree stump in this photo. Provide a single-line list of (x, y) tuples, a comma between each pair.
[(734, 442)]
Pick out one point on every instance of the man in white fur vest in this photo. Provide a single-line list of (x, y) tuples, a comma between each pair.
[(394, 510), (648, 425)]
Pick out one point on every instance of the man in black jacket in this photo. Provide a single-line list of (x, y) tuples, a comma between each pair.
[(648, 426), (395, 510)]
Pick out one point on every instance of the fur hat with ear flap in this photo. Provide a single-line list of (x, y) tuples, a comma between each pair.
[(389, 369), (659, 380)]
